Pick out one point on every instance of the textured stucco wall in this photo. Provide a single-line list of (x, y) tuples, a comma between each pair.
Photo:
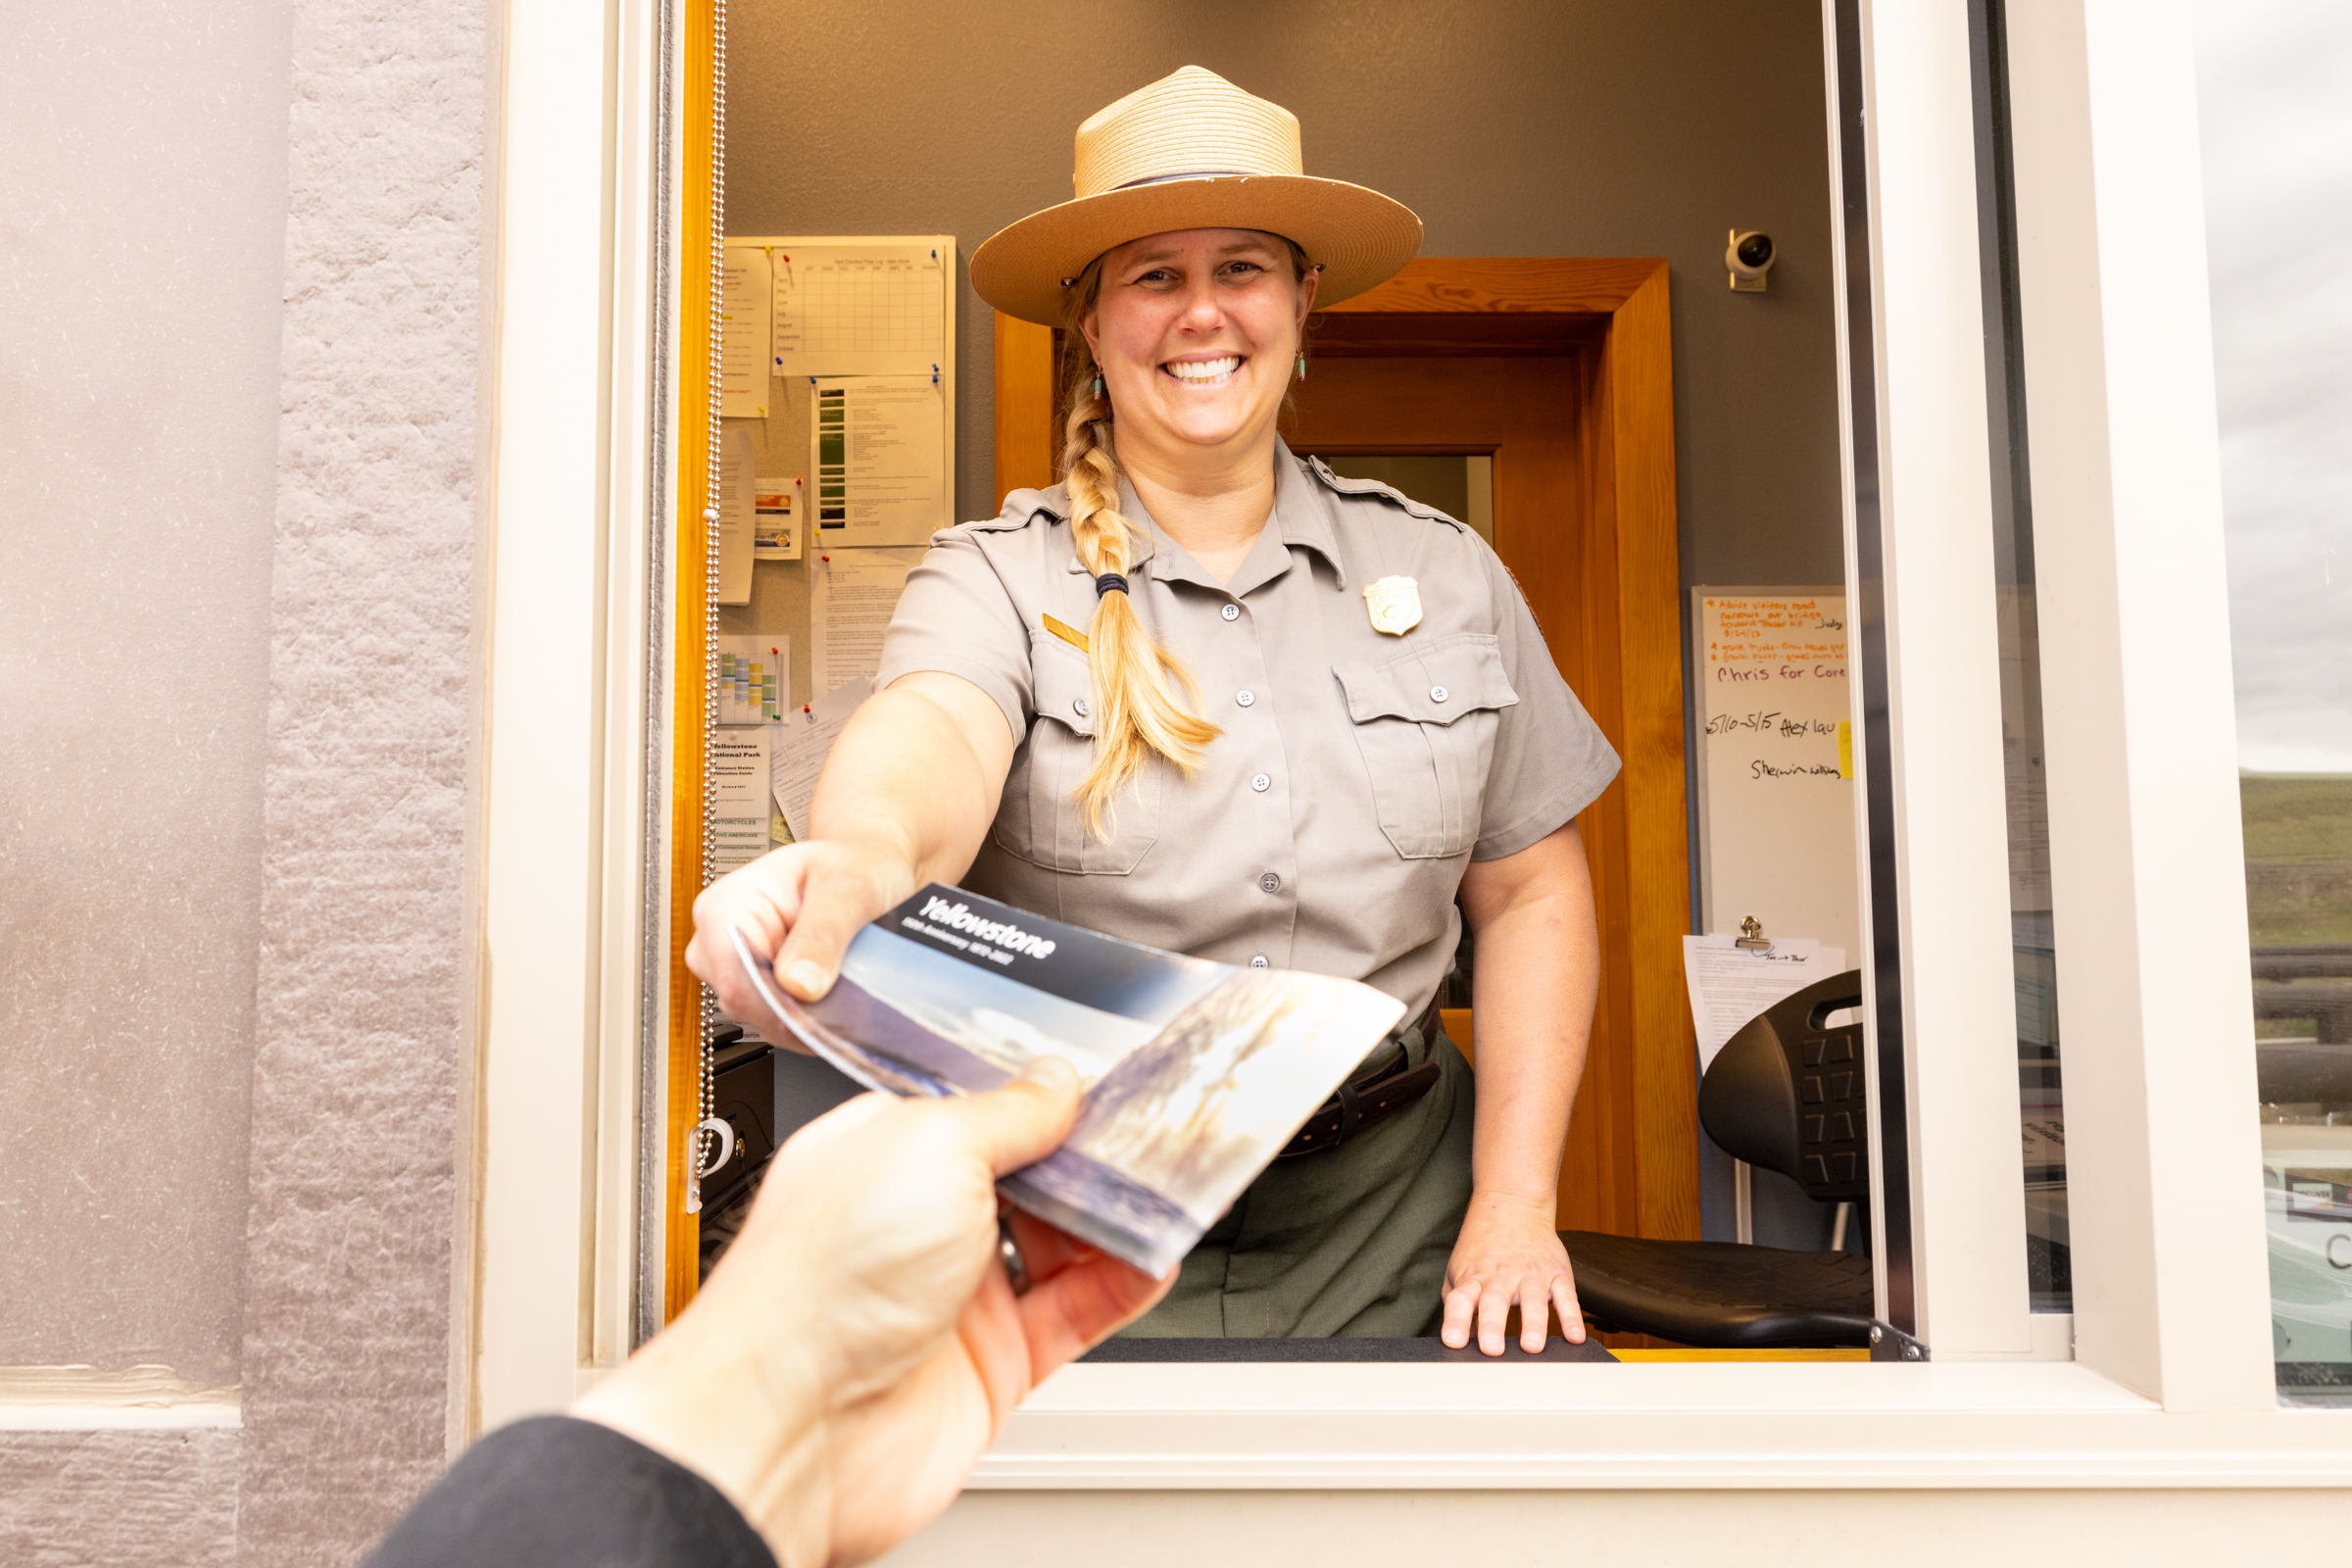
[(142, 198), (362, 976), (116, 1499), (1514, 127)]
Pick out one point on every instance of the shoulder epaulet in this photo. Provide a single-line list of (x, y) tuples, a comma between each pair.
[(1023, 508), (1341, 484)]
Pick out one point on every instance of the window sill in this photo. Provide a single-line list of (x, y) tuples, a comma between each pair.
[(1662, 1425)]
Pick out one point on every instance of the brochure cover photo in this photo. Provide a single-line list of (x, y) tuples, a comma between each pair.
[(1194, 1073)]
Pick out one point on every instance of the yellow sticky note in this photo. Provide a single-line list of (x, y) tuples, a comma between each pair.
[(1845, 747)]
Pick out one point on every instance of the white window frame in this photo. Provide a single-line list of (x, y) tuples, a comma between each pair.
[(547, 1276), (2171, 1381)]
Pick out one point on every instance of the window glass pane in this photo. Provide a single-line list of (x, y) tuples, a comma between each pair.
[(2276, 83)]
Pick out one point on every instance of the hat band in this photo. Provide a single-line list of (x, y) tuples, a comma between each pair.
[(1194, 173)]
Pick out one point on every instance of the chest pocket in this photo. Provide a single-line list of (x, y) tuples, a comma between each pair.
[(1039, 818), (1424, 718)]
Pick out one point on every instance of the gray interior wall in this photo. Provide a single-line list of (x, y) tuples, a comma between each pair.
[(1514, 127), (142, 207)]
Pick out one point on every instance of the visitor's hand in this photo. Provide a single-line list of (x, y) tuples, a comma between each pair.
[(1509, 1255), (798, 906), (858, 1346)]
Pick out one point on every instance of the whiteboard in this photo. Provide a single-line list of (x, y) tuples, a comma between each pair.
[(1776, 789)]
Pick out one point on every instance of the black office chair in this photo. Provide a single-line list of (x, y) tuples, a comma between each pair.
[(1786, 1093)]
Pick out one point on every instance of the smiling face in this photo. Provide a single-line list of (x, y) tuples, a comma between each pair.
[(1196, 333)]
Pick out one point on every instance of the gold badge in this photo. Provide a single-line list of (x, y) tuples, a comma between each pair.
[(1396, 603)]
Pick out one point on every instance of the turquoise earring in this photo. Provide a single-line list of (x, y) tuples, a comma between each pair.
[(1303, 365), (1097, 386)]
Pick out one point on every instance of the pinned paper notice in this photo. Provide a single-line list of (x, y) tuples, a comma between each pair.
[(776, 519), (804, 742), (852, 596), (754, 679), (1730, 983), (737, 520), (743, 304), (878, 460), (740, 762), (859, 307)]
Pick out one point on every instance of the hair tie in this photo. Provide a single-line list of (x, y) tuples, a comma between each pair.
[(1107, 581)]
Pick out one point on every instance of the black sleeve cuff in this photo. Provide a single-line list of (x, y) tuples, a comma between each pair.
[(557, 1491)]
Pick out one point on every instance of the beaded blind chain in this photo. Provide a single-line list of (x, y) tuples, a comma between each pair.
[(713, 436)]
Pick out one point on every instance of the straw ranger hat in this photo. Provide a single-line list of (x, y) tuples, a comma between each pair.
[(1193, 151)]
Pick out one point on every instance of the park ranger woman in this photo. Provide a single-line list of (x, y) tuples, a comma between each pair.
[(1207, 696)]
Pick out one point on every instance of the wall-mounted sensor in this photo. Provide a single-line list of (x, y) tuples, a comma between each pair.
[(1749, 255)]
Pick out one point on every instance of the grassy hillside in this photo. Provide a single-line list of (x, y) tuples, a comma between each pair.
[(2298, 856)]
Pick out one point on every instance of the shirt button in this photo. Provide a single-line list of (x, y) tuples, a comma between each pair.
[(1244, 698), (1232, 612), (1437, 693), (1261, 783), (1258, 961), (1269, 883), (1079, 708)]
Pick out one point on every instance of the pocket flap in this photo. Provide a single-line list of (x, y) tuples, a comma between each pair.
[(1434, 684), (1065, 683)]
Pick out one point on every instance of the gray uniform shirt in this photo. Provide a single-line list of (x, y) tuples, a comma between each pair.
[(1357, 773)]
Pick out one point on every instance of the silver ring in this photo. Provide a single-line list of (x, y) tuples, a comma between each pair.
[(1008, 1252)]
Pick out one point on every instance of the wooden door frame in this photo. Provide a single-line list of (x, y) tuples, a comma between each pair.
[(1612, 313)]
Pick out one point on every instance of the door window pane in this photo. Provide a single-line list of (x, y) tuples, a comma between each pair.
[(2275, 84)]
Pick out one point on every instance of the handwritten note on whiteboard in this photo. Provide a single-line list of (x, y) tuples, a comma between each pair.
[(1776, 789)]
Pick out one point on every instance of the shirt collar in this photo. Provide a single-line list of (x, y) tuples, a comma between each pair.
[(1302, 515)]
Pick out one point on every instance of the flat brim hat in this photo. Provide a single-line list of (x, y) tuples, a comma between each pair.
[(1193, 151)]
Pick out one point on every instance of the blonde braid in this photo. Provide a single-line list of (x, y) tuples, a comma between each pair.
[(1135, 717)]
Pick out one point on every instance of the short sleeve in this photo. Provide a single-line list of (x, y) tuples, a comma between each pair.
[(957, 616), (1550, 759)]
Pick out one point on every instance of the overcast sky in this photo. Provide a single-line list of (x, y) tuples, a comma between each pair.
[(2274, 81)]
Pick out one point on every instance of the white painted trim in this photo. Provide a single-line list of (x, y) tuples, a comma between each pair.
[(1943, 679), (629, 660), (2164, 1160), (567, 659), (196, 1415), (1673, 1425)]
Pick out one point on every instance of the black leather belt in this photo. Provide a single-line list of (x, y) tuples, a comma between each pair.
[(1374, 1098)]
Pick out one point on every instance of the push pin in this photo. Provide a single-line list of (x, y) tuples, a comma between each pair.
[(1751, 936)]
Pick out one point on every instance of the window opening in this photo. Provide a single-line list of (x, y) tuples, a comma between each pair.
[(1605, 338), (2274, 125)]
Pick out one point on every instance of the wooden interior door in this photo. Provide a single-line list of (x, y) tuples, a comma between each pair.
[(1561, 369)]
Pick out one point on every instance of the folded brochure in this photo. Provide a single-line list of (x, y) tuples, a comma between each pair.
[(1194, 1073)]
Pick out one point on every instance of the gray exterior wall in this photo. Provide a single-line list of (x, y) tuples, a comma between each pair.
[(1514, 127), (243, 421)]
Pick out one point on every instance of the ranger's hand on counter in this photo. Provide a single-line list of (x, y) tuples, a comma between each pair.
[(1509, 1255)]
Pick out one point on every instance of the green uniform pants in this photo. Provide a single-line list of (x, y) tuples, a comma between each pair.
[(1351, 1241)]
